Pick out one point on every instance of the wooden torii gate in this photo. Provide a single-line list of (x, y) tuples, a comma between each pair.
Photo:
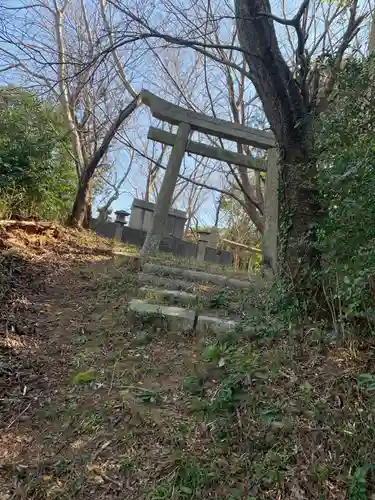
[(187, 122)]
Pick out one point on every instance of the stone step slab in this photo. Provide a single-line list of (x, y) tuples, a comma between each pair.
[(214, 324), (171, 296), (229, 272), (190, 300), (178, 318), (168, 283), (174, 318), (199, 276)]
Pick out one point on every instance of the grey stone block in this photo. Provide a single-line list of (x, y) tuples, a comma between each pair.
[(167, 282), (216, 325), (198, 276), (174, 296), (236, 283), (176, 318)]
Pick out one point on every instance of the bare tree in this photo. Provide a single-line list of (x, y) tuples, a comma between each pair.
[(242, 111), (182, 80), (90, 94)]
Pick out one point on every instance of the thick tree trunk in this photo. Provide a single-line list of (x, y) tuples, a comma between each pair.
[(299, 214), (291, 107), (290, 118)]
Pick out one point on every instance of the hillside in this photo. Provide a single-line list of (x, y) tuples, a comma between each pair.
[(97, 404)]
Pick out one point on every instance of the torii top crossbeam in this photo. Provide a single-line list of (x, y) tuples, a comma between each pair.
[(166, 111)]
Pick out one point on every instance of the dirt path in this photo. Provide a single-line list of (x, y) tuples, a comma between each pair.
[(98, 405), (93, 406)]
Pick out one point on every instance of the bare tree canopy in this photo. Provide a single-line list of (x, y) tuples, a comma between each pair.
[(53, 46)]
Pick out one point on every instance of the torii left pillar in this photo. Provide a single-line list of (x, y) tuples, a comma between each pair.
[(164, 200)]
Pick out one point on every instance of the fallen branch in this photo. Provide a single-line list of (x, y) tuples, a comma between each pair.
[(18, 417)]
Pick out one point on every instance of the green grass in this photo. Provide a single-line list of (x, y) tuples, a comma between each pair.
[(193, 384), (147, 395), (241, 426), (126, 465), (357, 482), (187, 479)]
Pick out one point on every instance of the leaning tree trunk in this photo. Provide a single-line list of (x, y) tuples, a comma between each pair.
[(81, 212)]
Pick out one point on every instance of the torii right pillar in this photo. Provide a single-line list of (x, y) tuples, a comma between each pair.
[(271, 215)]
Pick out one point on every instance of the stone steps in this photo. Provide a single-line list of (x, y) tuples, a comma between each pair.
[(230, 273), (180, 299), (166, 296)]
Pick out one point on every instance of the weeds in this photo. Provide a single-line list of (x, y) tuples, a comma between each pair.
[(321, 472), (92, 421), (220, 300), (186, 481), (193, 384), (146, 395), (366, 382), (216, 351), (357, 482), (233, 416), (271, 415), (229, 394), (272, 469), (84, 377), (125, 464)]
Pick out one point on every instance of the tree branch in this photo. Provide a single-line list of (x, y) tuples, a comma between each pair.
[(116, 59), (351, 31), (103, 148), (188, 179)]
